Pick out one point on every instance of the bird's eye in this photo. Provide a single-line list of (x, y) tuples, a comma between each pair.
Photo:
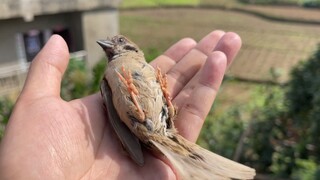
[(121, 40)]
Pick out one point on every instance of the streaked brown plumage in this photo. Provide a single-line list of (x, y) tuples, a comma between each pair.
[(140, 110)]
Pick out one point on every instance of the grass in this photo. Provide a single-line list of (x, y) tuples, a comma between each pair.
[(156, 3), (281, 13)]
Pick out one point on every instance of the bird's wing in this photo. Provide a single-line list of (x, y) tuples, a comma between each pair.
[(130, 142)]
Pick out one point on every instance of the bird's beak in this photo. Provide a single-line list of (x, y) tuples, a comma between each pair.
[(108, 48), (105, 44)]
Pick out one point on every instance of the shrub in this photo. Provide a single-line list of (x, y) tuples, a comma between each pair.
[(222, 134), (281, 135), (79, 82), (303, 101), (285, 137), (265, 128), (6, 106), (311, 3), (75, 81), (97, 73), (242, 132)]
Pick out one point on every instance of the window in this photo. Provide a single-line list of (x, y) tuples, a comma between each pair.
[(30, 43)]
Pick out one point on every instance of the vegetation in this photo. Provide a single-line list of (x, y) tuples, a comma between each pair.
[(77, 83), (279, 131), (273, 2), (294, 129), (282, 45), (156, 3), (6, 106), (305, 3), (311, 3)]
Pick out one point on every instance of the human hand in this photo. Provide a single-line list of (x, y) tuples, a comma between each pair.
[(49, 137)]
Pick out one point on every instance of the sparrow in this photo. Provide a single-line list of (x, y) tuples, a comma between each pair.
[(141, 112)]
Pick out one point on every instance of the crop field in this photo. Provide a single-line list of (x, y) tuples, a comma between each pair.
[(291, 11), (267, 45), (156, 3), (287, 12)]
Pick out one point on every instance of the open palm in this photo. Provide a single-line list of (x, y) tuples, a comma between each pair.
[(49, 137)]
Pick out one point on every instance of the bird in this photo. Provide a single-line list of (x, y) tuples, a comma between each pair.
[(141, 112)]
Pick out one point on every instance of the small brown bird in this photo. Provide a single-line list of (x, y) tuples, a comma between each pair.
[(140, 110)]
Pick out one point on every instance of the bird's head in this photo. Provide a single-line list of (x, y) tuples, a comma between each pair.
[(117, 46)]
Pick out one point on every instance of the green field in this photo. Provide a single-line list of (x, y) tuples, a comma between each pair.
[(293, 12), (156, 3), (290, 10), (266, 44), (149, 3)]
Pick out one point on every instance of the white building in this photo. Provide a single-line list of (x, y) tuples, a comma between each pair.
[(27, 24)]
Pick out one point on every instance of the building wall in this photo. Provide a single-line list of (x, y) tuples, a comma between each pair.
[(30, 8), (96, 25), (85, 29), (12, 27), (87, 21)]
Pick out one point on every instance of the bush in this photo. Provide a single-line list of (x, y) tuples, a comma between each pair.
[(222, 134), (97, 73), (78, 82), (285, 137), (303, 101), (311, 3), (75, 81), (242, 132), (306, 169), (265, 128), (281, 135), (6, 106)]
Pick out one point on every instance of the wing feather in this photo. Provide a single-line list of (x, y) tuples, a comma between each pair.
[(130, 142), (212, 166)]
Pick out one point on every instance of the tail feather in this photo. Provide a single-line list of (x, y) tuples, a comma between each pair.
[(212, 166)]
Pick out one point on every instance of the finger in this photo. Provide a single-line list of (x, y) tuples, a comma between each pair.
[(173, 55), (230, 44), (207, 44), (181, 48), (46, 70), (93, 115), (193, 112), (186, 68)]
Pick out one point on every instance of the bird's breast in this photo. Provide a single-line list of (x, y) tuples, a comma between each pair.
[(149, 94)]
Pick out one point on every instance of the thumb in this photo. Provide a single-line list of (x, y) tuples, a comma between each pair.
[(46, 70)]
